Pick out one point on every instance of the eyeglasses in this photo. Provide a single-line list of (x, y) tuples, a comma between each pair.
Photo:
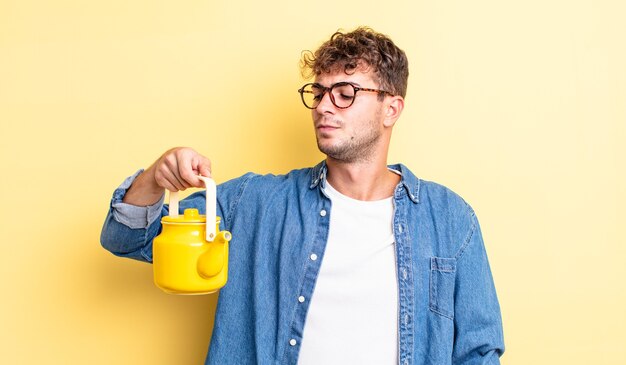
[(342, 94)]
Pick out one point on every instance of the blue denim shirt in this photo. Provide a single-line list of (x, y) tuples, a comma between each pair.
[(448, 310)]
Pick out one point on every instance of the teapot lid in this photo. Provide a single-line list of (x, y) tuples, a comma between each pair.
[(191, 215)]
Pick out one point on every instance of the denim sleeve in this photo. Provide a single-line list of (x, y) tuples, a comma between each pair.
[(128, 229), (478, 324)]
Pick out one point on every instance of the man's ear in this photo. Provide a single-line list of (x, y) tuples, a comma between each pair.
[(394, 108)]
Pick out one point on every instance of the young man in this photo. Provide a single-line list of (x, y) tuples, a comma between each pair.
[(349, 262)]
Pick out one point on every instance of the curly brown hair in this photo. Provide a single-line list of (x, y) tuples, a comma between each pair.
[(360, 49)]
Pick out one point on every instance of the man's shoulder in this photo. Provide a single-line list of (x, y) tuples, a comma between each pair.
[(436, 190), (444, 210), (434, 194)]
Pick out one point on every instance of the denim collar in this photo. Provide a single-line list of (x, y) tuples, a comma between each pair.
[(409, 183)]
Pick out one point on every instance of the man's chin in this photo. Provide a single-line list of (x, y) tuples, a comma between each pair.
[(333, 152), (325, 149)]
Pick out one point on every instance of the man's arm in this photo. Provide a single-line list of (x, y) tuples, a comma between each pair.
[(177, 169), (133, 218), (477, 320)]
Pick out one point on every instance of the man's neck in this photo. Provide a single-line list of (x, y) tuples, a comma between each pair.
[(362, 180)]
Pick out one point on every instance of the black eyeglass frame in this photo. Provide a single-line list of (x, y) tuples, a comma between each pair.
[(332, 97)]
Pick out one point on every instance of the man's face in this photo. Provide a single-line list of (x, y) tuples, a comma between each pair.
[(352, 134)]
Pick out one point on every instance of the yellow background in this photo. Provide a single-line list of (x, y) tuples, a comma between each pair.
[(519, 106)]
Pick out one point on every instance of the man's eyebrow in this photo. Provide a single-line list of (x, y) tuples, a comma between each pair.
[(338, 82), (350, 82)]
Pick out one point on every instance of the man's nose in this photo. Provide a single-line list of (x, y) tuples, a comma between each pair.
[(326, 104)]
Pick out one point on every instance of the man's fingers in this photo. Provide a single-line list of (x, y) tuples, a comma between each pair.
[(190, 177), (204, 166), (166, 179), (167, 174), (187, 167), (190, 165), (178, 169)]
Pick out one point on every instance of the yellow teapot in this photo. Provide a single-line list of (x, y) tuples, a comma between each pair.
[(190, 256)]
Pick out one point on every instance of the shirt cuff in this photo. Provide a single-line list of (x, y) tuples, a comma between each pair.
[(134, 216)]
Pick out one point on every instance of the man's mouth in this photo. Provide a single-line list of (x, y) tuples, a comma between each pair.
[(327, 126)]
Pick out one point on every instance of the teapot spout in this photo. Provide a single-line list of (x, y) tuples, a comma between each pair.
[(213, 261)]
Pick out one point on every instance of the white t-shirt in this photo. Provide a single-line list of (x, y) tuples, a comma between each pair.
[(353, 314)]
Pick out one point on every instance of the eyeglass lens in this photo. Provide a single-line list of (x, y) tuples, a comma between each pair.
[(341, 95)]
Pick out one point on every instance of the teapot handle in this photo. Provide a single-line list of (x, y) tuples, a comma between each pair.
[(173, 209), (211, 210)]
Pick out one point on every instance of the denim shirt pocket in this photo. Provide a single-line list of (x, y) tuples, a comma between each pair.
[(442, 278)]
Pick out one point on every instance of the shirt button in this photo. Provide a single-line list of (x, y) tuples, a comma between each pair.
[(323, 212), (292, 342), (400, 228), (313, 257), (404, 273), (301, 299)]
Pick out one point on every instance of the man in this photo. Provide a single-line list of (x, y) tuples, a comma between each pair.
[(349, 262)]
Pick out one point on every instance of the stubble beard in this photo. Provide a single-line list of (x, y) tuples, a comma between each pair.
[(358, 148)]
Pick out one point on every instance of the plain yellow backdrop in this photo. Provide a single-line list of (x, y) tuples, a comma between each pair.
[(520, 107)]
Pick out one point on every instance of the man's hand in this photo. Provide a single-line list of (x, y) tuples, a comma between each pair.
[(177, 169)]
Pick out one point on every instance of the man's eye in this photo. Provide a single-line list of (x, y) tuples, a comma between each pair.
[(346, 97)]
